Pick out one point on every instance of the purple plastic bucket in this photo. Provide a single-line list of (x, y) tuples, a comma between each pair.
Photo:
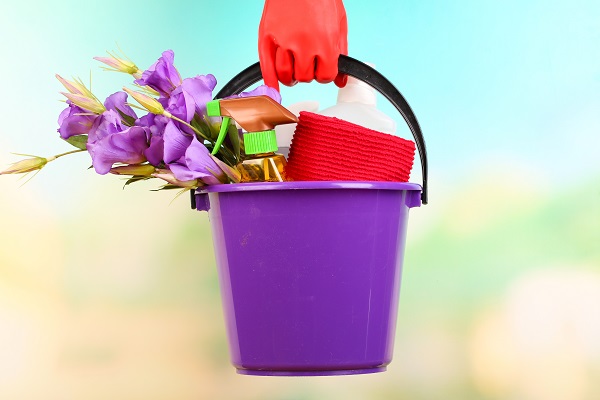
[(310, 272)]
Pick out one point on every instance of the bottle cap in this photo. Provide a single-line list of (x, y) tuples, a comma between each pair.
[(260, 142), (357, 91)]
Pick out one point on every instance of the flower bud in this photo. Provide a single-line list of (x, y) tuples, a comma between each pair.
[(168, 176), (231, 172), (134, 169), (75, 87), (119, 65), (24, 166), (72, 87), (149, 103), (91, 104)]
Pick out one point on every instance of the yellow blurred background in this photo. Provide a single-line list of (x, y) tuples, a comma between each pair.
[(120, 300)]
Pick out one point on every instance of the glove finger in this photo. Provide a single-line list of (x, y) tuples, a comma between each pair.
[(266, 55), (284, 65), (326, 68), (341, 79), (304, 68)]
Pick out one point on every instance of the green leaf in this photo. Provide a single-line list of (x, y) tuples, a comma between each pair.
[(234, 137), (79, 141), (127, 119), (201, 125), (136, 178), (171, 187), (166, 187)]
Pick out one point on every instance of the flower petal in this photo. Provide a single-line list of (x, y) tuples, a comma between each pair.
[(126, 147), (162, 76), (263, 90), (118, 102), (74, 121), (175, 143)]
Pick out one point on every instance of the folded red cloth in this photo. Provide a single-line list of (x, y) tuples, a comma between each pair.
[(328, 148)]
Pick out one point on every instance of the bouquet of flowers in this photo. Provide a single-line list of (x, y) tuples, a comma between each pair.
[(174, 140)]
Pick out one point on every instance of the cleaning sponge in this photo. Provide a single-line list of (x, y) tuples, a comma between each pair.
[(328, 148)]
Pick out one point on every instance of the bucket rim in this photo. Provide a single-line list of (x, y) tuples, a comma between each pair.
[(296, 185)]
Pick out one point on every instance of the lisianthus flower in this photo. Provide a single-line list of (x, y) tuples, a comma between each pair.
[(125, 147), (162, 76), (189, 159), (262, 90), (108, 123), (190, 98), (118, 102), (181, 104), (176, 142), (155, 125), (74, 120), (111, 140), (112, 120), (200, 87)]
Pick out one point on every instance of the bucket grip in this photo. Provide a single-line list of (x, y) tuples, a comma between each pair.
[(200, 201)]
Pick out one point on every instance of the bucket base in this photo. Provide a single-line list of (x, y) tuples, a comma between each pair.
[(259, 372)]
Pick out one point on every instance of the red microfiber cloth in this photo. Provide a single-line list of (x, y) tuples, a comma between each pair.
[(330, 149)]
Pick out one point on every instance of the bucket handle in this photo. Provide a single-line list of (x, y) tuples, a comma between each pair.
[(359, 70)]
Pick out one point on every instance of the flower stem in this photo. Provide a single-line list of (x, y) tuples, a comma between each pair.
[(52, 158), (169, 115)]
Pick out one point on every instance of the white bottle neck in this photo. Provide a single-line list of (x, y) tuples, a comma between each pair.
[(357, 91)]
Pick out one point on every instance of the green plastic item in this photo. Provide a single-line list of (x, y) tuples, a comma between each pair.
[(258, 118), (260, 142), (213, 109)]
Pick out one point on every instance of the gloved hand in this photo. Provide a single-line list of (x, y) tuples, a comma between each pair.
[(301, 40)]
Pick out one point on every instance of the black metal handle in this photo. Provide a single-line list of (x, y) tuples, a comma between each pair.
[(363, 72)]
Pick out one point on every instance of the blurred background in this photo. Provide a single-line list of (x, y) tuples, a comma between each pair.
[(112, 293)]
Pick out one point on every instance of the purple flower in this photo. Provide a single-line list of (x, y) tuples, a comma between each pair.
[(126, 147), (108, 123), (110, 140), (176, 142), (118, 102), (181, 104), (111, 120), (155, 126), (162, 76), (200, 89), (74, 120), (262, 90), (189, 159), (191, 97)]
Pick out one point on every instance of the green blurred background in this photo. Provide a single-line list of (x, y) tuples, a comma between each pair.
[(111, 293)]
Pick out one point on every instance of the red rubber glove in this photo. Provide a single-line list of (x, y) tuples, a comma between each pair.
[(301, 40)]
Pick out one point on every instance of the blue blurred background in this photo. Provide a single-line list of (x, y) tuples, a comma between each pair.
[(111, 293)]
